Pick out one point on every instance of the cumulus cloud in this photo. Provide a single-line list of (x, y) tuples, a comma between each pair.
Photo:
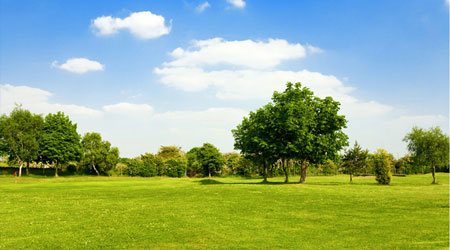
[(143, 25), (124, 108), (246, 70), (134, 128), (79, 65), (202, 7), (38, 101), (243, 53), (137, 128), (240, 4)]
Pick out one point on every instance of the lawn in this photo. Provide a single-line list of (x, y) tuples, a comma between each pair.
[(223, 213)]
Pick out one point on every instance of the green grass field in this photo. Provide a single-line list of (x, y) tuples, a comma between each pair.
[(223, 213)]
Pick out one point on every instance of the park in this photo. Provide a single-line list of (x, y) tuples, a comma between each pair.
[(224, 124), (223, 213)]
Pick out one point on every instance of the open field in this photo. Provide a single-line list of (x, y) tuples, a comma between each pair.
[(123, 212)]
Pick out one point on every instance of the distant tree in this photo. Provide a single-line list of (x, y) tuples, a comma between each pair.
[(98, 155), (231, 162), (404, 165), (173, 161), (135, 167), (428, 148), (237, 164), (354, 160), (329, 167), (175, 167), (153, 164), (120, 168), (194, 166), (382, 163), (20, 133), (60, 141), (206, 159), (170, 152)]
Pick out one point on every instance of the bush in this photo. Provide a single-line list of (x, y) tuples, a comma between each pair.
[(382, 163), (175, 167)]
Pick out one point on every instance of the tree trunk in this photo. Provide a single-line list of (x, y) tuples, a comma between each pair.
[(286, 173), (95, 169), (209, 172), (28, 168), (56, 169), (351, 177), (20, 168), (304, 167), (265, 172), (433, 172)]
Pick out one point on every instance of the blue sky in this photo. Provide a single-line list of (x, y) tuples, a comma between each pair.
[(386, 61)]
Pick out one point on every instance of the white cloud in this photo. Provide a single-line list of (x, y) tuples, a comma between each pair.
[(144, 25), (202, 7), (124, 108), (240, 4), (134, 128), (38, 101), (79, 65), (246, 70), (244, 53)]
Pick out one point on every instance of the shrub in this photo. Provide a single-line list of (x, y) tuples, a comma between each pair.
[(382, 163), (175, 167)]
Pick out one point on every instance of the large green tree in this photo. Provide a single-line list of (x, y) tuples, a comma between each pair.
[(428, 148), (255, 138), (60, 141), (20, 133), (307, 128), (98, 155), (355, 159), (296, 126)]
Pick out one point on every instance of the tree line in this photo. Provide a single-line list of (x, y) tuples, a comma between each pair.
[(295, 134)]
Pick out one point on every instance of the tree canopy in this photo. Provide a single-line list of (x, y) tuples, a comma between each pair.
[(296, 125), (98, 155), (206, 159), (355, 159), (20, 133), (60, 141), (428, 148)]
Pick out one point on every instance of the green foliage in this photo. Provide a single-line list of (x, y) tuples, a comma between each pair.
[(175, 167), (329, 168), (170, 152), (354, 160), (295, 126), (20, 133), (235, 164), (428, 148), (382, 163), (60, 142), (135, 167), (254, 138), (153, 164), (98, 155), (206, 160), (120, 168)]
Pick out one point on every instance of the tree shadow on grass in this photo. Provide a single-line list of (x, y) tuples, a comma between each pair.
[(216, 182)]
